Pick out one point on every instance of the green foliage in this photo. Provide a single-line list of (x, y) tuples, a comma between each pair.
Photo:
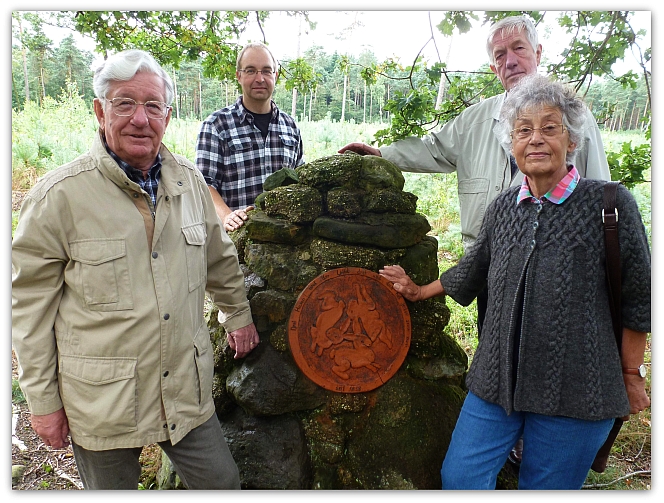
[(629, 163), (411, 114), (170, 36), (600, 39), (301, 76), (458, 20), (46, 136), (17, 392), (14, 221)]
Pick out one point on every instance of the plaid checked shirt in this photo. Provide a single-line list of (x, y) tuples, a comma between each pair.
[(235, 160), (558, 194), (149, 184)]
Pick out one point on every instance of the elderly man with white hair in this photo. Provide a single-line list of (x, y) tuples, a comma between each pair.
[(111, 260)]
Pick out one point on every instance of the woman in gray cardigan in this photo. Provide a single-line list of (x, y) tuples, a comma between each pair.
[(546, 368)]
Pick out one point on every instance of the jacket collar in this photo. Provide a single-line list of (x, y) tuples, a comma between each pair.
[(173, 180)]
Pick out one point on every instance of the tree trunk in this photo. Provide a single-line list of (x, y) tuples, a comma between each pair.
[(200, 96), (175, 98), (343, 99), (294, 102), (43, 84), (311, 99), (370, 103), (25, 60), (387, 117), (364, 112), (644, 117), (294, 105)]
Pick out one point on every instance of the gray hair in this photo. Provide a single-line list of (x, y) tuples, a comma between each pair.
[(255, 45), (509, 26), (123, 66), (534, 92)]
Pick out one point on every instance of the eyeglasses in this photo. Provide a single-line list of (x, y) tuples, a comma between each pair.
[(252, 72), (125, 107), (548, 131)]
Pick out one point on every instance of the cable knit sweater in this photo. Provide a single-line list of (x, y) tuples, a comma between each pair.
[(568, 362)]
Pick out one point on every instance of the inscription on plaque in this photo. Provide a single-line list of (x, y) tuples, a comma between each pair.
[(349, 330)]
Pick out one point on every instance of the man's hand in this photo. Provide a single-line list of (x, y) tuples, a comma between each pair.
[(52, 428), (235, 219), (360, 148), (243, 340)]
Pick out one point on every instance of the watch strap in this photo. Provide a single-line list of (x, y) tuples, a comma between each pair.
[(639, 371)]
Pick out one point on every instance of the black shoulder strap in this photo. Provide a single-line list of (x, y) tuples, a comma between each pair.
[(610, 219)]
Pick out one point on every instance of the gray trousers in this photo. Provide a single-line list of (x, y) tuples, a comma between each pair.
[(201, 459)]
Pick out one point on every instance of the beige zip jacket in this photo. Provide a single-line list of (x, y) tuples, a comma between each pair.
[(107, 300), (468, 145)]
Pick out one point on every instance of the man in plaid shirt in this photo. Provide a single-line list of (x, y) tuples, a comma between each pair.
[(240, 145)]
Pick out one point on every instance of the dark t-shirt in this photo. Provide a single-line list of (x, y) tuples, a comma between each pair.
[(262, 122)]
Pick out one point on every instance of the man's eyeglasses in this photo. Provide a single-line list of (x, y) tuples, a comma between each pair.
[(266, 72), (125, 107), (548, 131)]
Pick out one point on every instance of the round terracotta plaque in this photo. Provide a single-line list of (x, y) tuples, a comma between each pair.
[(349, 330)]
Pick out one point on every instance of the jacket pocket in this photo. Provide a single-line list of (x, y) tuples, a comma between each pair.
[(194, 236), (204, 364), (99, 394), (101, 268), (472, 203)]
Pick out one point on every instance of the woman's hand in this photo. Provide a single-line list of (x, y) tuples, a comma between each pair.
[(633, 350), (636, 392), (402, 282)]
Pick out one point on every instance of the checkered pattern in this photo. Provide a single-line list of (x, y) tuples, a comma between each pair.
[(149, 184), (234, 158), (558, 194)]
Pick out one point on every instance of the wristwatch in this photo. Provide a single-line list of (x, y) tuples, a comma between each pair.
[(640, 371)]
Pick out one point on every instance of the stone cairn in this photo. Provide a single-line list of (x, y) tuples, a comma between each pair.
[(286, 432)]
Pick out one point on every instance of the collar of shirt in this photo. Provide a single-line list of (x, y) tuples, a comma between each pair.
[(149, 184), (244, 112), (558, 194)]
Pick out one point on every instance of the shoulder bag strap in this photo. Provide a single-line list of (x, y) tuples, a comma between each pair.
[(610, 219)]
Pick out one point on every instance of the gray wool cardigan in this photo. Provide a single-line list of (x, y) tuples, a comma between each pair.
[(568, 362)]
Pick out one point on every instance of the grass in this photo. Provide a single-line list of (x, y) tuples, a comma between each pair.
[(17, 392)]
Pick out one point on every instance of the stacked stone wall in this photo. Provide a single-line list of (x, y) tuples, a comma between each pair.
[(286, 432)]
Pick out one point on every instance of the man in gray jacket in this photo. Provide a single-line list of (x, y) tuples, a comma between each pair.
[(468, 145), (111, 260)]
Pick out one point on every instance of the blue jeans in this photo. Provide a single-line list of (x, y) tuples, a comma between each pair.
[(557, 451)]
